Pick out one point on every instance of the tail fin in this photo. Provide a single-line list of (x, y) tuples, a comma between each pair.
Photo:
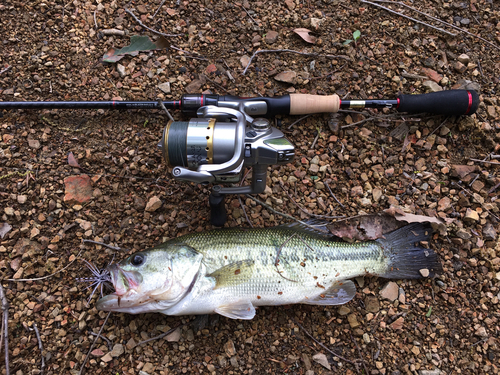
[(407, 258)]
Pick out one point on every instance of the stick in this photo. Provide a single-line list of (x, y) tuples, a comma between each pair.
[(299, 120), (359, 352), (410, 18), (292, 51), (40, 346), (157, 10), (5, 328), (163, 334), (162, 106), (148, 28), (82, 369), (6, 69), (320, 344), (438, 20), (334, 197), (46, 277), (485, 161), (316, 228)]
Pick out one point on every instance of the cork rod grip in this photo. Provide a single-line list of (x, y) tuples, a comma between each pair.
[(303, 104)]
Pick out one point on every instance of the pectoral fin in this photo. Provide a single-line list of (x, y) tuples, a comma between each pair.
[(238, 310), (233, 274), (339, 293)]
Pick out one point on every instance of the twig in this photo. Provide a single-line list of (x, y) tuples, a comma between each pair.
[(162, 106), (292, 51), (148, 28), (471, 195), (493, 188), (95, 20), (199, 57), (82, 369), (333, 195), (113, 32), (46, 277), (110, 344), (436, 19), (444, 122), (163, 334), (158, 9), (485, 161), (321, 344), (359, 352), (6, 69), (40, 346), (299, 120), (250, 16), (245, 212), (102, 244), (410, 18), (316, 228), (307, 212), (315, 140), (5, 328)]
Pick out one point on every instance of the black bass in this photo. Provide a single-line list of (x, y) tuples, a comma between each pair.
[(232, 271)]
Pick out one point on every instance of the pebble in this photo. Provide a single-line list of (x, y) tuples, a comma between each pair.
[(459, 67), (353, 321), (154, 203), (322, 360), (432, 86), (287, 76), (471, 216), (229, 348), (390, 291), (443, 204), (424, 272), (34, 143), (117, 351), (377, 194), (344, 310), (271, 37), (464, 59), (372, 304), (165, 87), (121, 70), (78, 189), (489, 232), (366, 338), (398, 323), (430, 372), (244, 60)]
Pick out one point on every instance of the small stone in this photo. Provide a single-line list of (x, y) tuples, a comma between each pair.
[(117, 351), (463, 234), (313, 169), (212, 68), (424, 272), (344, 310), (477, 186), (271, 37), (357, 191), (492, 113), (121, 70), (390, 291), (165, 87), (353, 320), (464, 59), (462, 170), (229, 348), (244, 60), (471, 216), (78, 189), (432, 86), (398, 323), (415, 350), (432, 74), (22, 199), (377, 194), (316, 22), (459, 67), (430, 372), (174, 336), (194, 86), (489, 232), (290, 4), (34, 143), (141, 9), (481, 332), (322, 360), (288, 76), (372, 304), (366, 338), (107, 358), (444, 204), (154, 203)]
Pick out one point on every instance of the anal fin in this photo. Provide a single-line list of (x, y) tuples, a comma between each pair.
[(242, 309), (339, 293)]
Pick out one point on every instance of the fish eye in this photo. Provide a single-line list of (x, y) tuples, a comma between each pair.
[(137, 259)]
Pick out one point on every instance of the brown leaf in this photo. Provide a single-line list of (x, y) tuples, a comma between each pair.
[(304, 34), (399, 215), (366, 227), (72, 160)]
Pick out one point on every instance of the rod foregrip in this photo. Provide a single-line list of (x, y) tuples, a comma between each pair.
[(452, 102), (303, 104)]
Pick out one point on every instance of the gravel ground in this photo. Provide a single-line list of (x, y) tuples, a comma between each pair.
[(420, 164)]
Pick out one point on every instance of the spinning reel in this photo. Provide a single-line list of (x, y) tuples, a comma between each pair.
[(217, 146)]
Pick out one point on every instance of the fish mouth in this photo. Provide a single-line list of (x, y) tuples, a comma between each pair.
[(127, 291)]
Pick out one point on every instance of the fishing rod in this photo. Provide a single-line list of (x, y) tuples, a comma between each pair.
[(231, 133), (452, 102)]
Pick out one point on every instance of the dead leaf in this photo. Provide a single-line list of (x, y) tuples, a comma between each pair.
[(365, 227), (4, 229), (304, 34), (399, 215), (137, 43), (72, 160)]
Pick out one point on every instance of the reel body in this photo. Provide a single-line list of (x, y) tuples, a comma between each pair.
[(216, 146)]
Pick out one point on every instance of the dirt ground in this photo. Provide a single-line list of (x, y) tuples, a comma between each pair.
[(423, 164)]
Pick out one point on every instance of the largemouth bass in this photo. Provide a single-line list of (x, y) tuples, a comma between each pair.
[(232, 271)]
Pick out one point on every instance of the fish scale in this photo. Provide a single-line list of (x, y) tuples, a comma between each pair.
[(232, 271)]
